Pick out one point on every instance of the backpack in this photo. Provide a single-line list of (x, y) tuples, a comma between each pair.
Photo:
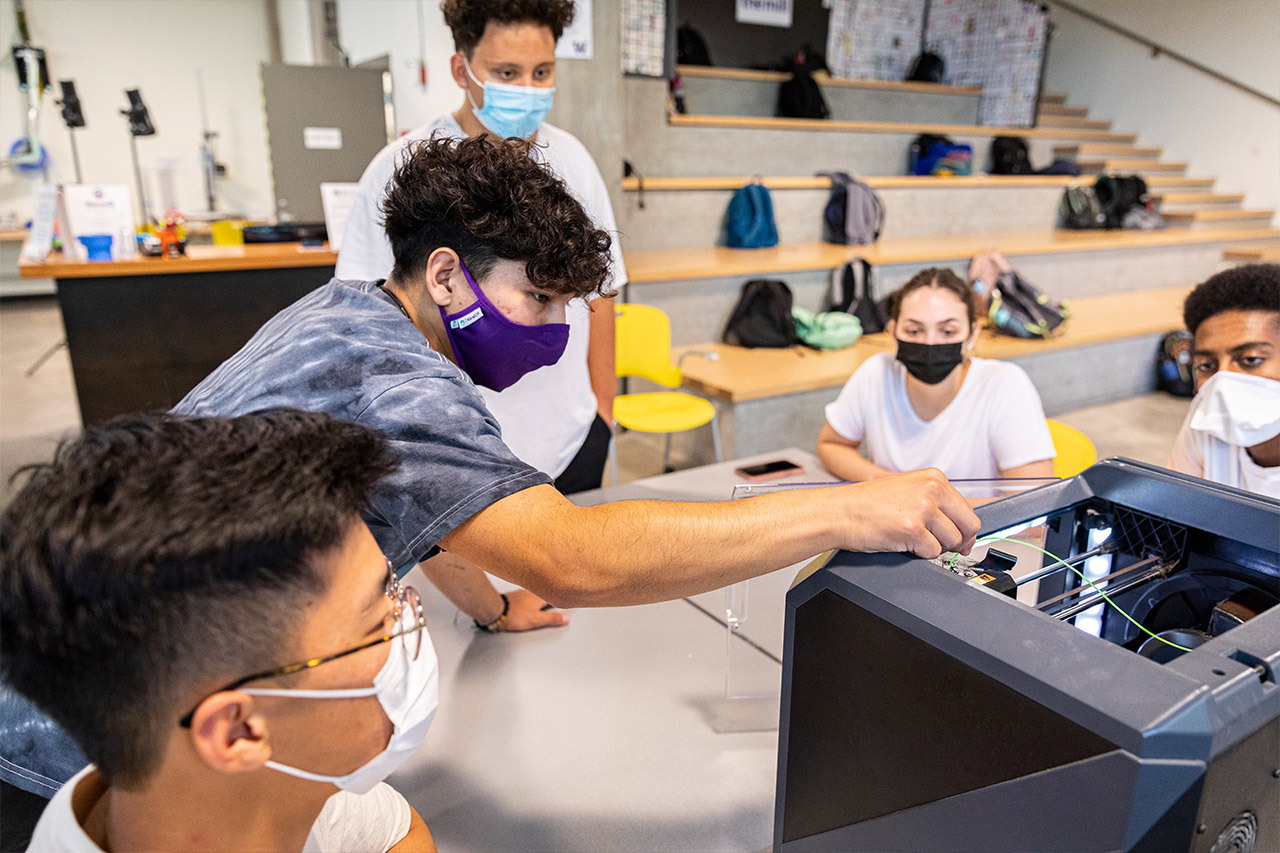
[(801, 96), (851, 293), (985, 270), (1117, 194), (927, 67), (749, 219), (826, 330), (1009, 156), (938, 155), (691, 47), (762, 317), (854, 214), (1173, 365), (1079, 208), (919, 149), (1021, 311)]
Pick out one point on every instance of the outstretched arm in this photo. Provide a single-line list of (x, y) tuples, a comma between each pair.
[(636, 552), (465, 584)]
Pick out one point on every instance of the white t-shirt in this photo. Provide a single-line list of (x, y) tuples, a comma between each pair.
[(995, 422), (1203, 455), (546, 415), (350, 823)]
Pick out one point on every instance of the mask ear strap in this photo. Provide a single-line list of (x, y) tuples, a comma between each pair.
[(467, 66), (346, 693)]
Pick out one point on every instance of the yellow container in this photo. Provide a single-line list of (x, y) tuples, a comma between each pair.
[(228, 232)]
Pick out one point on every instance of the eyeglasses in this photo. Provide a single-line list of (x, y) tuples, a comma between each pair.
[(409, 622)]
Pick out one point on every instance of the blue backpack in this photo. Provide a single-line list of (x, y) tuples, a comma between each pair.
[(749, 220)]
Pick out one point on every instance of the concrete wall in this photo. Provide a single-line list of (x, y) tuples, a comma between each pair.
[(1221, 131), (159, 47)]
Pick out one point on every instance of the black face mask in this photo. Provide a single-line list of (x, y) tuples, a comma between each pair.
[(930, 363)]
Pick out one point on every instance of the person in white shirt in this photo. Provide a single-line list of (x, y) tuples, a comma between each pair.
[(1231, 434), (187, 598), (558, 418), (934, 404)]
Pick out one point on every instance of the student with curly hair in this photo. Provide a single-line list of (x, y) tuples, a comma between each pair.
[(489, 247), (1232, 433), (558, 419)]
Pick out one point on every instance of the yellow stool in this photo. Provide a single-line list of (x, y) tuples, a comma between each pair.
[(1075, 451), (644, 351)]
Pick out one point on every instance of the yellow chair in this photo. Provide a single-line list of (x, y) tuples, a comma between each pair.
[(644, 351), (1075, 451)]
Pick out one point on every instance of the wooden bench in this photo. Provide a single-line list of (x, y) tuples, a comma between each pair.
[(770, 398), (656, 265), (1070, 134), (824, 79)]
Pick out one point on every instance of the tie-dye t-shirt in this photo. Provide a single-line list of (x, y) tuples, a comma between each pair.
[(346, 349)]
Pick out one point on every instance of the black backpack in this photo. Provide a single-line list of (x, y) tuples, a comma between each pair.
[(691, 47), (1117, 194), (927, 67), (1079, 208), (851, 293), (1009, 156), (1173, 365), (801, 96), (762, 317)]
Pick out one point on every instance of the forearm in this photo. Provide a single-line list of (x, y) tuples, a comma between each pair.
[(847, 463), (465, 585)]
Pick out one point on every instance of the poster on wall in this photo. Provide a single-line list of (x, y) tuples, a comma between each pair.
[(644, 36), (873, 39), (577, 41), (995, 44), (770, 13)]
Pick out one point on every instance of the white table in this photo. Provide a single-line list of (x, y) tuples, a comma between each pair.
[(599, 736)]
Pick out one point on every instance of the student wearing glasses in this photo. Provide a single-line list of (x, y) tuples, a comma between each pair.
[(198, 603)]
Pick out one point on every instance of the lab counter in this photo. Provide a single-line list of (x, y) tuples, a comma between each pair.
[(143, 332)]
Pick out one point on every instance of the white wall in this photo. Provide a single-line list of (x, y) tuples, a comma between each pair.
[(371, 28), (157, 46), (1221, 131)]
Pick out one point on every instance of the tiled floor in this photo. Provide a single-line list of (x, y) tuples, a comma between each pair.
[(37, 410)]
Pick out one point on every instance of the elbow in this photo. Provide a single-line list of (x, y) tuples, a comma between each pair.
[(572, 584)]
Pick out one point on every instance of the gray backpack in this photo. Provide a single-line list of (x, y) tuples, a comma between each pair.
[(854, 214)]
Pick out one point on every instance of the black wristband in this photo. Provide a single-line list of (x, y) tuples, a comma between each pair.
[(496, 625)]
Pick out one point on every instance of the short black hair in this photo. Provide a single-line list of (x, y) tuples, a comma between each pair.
[(489, 199), (940, 277), (158, 557), (1252, 287), (467, 19)]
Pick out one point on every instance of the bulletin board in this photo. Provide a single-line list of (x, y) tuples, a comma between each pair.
[(644, 37), (996, 44)]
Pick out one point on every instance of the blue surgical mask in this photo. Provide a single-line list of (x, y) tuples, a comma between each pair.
[(511, 110)]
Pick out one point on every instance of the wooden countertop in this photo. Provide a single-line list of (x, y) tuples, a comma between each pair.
[(654, 265), (255, 256), (750, 374)]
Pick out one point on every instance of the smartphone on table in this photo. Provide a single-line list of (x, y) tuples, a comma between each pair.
[(775, 470)]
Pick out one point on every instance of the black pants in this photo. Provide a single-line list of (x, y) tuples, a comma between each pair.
[(586, 470)]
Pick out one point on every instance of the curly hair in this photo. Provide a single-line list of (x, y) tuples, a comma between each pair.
[(467, 19), (1253, 287), (940, 277), (489, 199), (157, 556)]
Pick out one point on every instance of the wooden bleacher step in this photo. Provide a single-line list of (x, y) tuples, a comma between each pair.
[(1219, 218), (1098, 167), (1184, 198), (910, 128), (1262, 253), (824, 79), (1054, 98), (1061, 110), (1073, 123), (1103, 149), (1179, 183)]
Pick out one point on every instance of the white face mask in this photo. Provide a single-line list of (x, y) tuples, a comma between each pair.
[(408, 689), (1237, 408)]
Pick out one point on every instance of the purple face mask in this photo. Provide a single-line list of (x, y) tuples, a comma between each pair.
[(495, 351)]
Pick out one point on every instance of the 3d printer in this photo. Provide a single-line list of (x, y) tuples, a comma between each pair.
[(1118, 695)]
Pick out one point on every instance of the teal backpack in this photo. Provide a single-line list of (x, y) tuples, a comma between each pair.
[(749, 220), (828, 330)]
